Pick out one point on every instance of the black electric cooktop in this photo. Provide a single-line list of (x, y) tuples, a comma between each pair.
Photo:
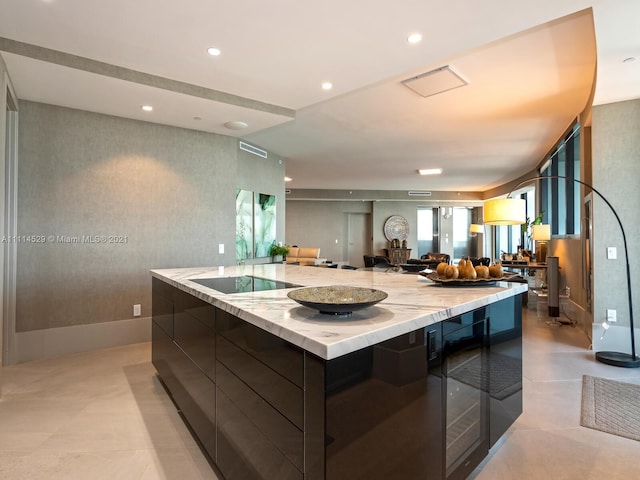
[(242, 284)]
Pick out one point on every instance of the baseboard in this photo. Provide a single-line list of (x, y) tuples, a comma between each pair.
[(576, 313), (52, 342)]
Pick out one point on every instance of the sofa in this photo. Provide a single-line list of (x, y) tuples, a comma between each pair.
[(475, 261), (303, 255), (430, 260)]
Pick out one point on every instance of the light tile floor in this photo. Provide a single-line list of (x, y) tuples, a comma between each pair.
[(104, 415), (547, 441), (93, 416)]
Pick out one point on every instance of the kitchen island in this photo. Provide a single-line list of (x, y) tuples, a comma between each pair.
[(420, 385)]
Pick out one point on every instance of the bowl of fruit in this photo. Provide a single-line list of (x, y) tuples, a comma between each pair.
[(466, 274)]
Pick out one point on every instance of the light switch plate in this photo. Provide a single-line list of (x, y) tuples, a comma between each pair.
[(221, 248), (612, 253)]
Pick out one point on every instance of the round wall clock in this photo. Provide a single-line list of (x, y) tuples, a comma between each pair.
[(396, 226)]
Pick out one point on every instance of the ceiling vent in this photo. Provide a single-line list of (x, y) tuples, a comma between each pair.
[(413, 193), (251, 149), (436, 81)]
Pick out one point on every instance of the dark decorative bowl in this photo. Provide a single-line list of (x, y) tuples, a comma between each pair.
[(413, 267), (337, 299)]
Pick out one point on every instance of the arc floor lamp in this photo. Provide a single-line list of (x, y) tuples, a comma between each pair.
[(512, 211)]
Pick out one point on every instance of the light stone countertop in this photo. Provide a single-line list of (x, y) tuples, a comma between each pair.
[(413, 302)]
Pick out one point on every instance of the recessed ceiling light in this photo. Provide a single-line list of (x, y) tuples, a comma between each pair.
[(327, 86), (414, 38), (147, 108), (287, 179), (213, 51), (236, 125), (430, 171)]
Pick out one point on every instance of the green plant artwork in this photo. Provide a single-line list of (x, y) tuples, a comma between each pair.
[(264, 224), (244, 224)]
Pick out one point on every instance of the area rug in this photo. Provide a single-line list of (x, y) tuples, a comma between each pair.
[(611, 406)]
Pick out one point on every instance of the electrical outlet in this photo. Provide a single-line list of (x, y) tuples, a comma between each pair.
[(611, 315), (137, 310)]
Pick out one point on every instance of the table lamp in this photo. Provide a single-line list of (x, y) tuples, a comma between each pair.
[(475, 229), (541, 234)]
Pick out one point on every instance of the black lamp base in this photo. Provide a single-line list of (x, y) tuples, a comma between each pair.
[(618, 359)]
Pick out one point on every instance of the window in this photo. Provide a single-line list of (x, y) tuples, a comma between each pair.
[(461, 223), (560, 198), (427, 230)]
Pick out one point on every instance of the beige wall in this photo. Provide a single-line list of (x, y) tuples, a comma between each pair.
[(382, 211), (320, 224), (616, 174), (569, 253), (3, 109), (169, 193)]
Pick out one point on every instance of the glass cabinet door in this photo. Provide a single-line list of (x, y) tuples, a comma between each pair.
[(465, 377)]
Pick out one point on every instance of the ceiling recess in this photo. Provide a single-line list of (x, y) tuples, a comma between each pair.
[(434, 82), (236, 125)]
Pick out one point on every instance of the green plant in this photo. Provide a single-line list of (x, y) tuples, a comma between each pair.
[(526, 226), (275, 249)]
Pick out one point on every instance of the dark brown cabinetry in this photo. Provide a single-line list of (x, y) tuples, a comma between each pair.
[(398, 256), (505, 365), (465, 355), (261, 404), (425, 405), (183, 334)]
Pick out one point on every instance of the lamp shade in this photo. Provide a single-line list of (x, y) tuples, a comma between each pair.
[(475, 228), (505, 211), (541, 233)]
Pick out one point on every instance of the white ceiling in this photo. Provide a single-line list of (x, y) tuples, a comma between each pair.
[(530, 68)]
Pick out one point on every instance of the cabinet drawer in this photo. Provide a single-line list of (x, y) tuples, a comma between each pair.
[(162, 313), (162, 288), (191, 389), (244, 452), (283, 395), (163, 354), (203, 311), (280, 431), (197, 340), (278, 354), (195, 395)]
